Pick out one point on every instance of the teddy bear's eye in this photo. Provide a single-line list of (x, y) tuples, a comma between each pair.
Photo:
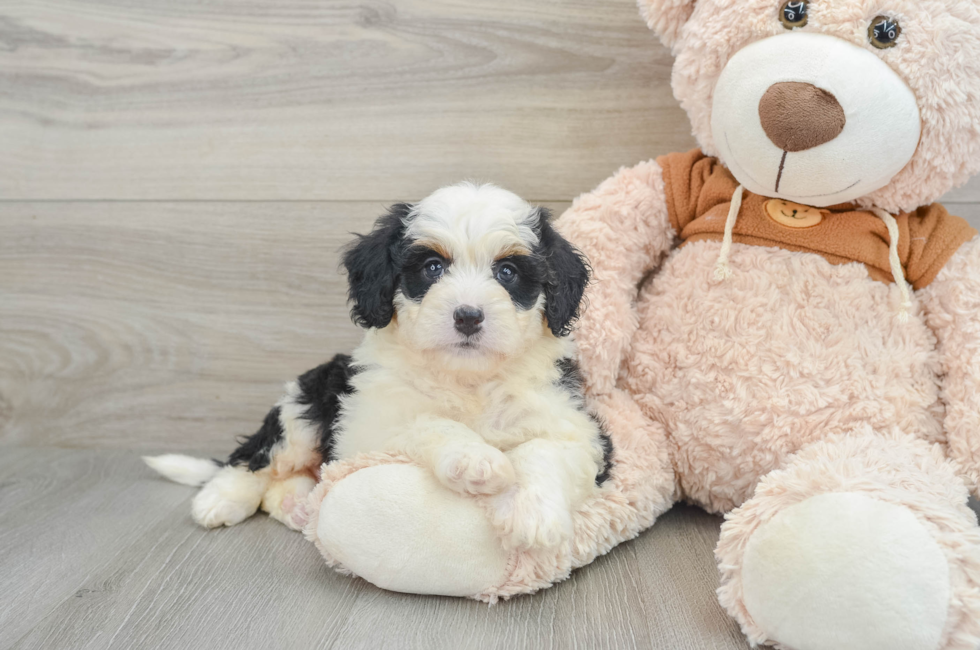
[(794, 14), (884, 32)]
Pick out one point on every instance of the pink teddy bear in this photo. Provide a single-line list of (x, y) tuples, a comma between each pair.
[(785, 315)]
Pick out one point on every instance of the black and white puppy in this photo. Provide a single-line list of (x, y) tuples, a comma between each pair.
[(467, 367)]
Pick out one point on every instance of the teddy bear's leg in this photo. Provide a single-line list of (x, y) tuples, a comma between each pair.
[(388, 520), (863, 541), (398, 527)]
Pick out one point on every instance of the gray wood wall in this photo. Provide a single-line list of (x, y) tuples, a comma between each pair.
[(176, 179)]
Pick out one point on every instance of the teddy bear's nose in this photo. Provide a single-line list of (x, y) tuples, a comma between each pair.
[(799, 116)]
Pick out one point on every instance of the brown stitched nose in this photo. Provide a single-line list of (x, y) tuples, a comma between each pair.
[(799, 116)]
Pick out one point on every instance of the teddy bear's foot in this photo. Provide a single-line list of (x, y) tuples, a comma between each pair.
[(862, 542), (845, 570), (399, 528)]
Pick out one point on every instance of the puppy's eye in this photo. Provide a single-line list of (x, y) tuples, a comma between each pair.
[(884, 32), (793, 14), (507, 273), (433, 268)]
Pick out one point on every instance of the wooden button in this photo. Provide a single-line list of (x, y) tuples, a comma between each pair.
[(793, 215)]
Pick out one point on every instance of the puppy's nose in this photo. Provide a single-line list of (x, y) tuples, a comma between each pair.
[(799, 116), (468, 319)]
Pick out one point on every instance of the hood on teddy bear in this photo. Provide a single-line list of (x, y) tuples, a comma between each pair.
[(824, 102)]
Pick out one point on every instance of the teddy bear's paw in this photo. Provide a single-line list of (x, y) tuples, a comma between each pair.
[(474, 469), (530, 517), (846, 566)]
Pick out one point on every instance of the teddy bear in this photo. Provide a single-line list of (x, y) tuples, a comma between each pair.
[(796, 321), (783, 328)]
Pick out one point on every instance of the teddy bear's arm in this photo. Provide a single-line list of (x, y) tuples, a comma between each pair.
[(624, 229), (952, 304)]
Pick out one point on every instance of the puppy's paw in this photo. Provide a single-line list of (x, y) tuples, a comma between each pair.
[(531, 518), (474, 469), (285, 501), (295, 514), (211, 508)]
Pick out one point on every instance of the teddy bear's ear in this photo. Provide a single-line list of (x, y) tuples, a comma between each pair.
[(666, 17)]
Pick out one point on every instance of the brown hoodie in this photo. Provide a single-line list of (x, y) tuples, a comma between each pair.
[(699, 194)]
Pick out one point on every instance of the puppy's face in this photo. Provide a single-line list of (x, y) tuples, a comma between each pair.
[(469, 273)]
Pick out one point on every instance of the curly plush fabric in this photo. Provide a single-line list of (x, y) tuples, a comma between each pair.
[(889, 467), (640, 488), (791, 362), (624, 222)]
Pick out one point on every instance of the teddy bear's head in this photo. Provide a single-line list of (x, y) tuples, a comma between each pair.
[(823, 102)]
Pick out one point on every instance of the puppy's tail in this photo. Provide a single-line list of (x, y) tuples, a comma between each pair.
[(184, 469)]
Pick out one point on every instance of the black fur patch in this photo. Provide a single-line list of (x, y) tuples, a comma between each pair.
[(373, 263), (607, 451), (571, 377), (254, 450), (527, 286), (567, 276), (321, 390), (572, 382), (414, 282)]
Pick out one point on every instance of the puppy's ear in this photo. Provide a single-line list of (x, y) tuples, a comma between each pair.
[(567, 277), (373, 262)]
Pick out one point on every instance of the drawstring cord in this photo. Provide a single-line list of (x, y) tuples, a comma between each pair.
[(722, 270), (896, 263)]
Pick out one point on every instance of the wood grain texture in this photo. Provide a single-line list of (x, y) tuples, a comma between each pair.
[(250, 137), (100, 553), (168, 326), (155, 326), (328, 100), (335, 100)]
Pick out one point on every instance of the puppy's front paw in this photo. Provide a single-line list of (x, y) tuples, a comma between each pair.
[(474, 469), (530, 517)]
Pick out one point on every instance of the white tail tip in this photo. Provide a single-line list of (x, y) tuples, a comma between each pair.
[(183, 469)]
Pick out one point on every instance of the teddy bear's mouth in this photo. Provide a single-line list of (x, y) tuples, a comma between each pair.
[(840, 191), (739, 170)]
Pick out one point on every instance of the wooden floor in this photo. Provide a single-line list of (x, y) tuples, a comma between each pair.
[(176, 179)]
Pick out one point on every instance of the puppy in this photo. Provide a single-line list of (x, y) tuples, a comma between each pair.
[(467, 367)]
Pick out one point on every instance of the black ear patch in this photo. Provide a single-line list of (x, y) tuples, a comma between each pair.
[(373, 263), (566, 278)]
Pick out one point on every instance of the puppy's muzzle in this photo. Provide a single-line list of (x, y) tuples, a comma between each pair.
[(468, 319)]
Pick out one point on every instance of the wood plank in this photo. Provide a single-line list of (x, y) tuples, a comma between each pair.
[(969, 193), (168, 326), (237, 99), (155, 580), (969, 211), (165, 326), (334, 100), (64, 516)]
